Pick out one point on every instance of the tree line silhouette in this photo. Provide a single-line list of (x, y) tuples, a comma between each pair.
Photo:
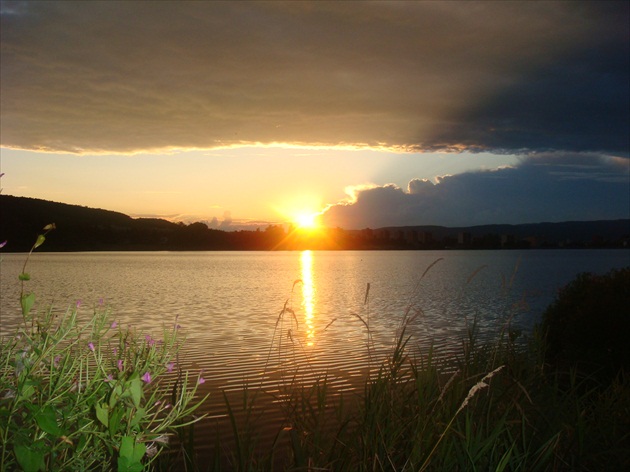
[(86, 229)]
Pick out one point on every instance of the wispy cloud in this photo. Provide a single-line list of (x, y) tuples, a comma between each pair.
[(140, 76)]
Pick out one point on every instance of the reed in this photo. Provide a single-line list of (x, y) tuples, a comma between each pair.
[(496, 406), (88, 396)]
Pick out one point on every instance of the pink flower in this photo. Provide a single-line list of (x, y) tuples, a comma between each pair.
[(78, 303), (2, 244), (91, 346), (56, 361), (201, 380), (146, 377), (150, 340), (169, 367), (109, 378), (120, 365), (114, 325)]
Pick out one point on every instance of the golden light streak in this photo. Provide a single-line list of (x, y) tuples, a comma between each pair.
[(308, 295)]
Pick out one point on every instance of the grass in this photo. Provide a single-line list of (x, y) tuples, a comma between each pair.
[(88, 394), (497, 406)]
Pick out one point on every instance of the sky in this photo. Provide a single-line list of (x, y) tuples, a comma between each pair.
[(370, 114)]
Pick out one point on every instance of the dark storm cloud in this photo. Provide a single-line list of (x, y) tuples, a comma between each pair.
[(578, 103), (546, 187), (132, 76)]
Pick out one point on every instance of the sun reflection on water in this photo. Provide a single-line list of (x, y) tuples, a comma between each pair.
[(308, 295)]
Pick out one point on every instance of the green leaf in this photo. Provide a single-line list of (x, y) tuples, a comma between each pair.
[(27, 302), (130, 455), (138, 452), (47, 421), (114, 420), (116, 394), (29, 458), (126, 447), (137, 417), (135, 388), (126, 465), (102, 413), (40, 240), (26, 392), (24, 277)]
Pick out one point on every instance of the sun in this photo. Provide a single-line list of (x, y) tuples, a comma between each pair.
[(302, 212), (306, 220)]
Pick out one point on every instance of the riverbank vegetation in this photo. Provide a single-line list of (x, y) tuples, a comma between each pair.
[(504, 405), (93, 395), (512, 403)]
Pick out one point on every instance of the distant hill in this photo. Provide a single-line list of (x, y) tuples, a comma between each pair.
[(87, 229)]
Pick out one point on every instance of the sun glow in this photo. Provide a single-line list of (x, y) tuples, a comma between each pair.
[(301, 211), (307, 220)]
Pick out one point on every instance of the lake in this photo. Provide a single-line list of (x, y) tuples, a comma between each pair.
[(229, 304)]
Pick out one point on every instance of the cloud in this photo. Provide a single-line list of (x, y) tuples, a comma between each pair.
[(542, 187), (227, 220), (137, 76)]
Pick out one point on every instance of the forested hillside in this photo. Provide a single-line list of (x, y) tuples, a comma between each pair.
[(80, 228)]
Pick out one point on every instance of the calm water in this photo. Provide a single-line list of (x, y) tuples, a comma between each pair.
[(229, 303)]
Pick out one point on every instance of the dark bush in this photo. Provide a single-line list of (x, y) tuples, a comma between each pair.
[(588, 325)]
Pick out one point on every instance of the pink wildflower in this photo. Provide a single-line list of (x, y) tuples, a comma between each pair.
[(91, 346), (114, 325), (146, 377), (120, 365), (109, 378), (169, 367)]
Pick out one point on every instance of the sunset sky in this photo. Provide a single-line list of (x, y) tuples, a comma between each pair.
[(370, 113)]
